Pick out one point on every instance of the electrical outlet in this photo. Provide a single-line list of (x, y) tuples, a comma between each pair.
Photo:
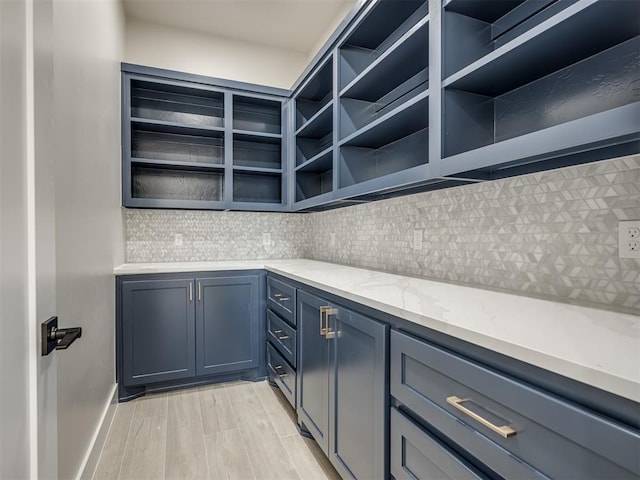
[(417, 239), (177, 239), (629, 239), (266, 239), (332, 239)]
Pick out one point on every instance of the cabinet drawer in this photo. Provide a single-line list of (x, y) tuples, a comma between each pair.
[(281, 298), (547, 436), (282, 374), (282, 336), (415, 454)]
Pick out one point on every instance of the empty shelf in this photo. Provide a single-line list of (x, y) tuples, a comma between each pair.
[(315, 95), (254, 151), (384, 24), (178, 104), (257, 115), (254, 187), (176, 184), (594, 85), (158, 142)]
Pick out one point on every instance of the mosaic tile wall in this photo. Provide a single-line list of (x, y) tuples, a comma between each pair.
[(551, 234), (209, 236)]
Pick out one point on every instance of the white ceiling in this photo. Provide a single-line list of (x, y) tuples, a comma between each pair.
[(291, 24)]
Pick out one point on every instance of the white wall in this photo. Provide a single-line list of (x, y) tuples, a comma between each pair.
[(178, 49), (330, 29), (14, 374), (88, 45)]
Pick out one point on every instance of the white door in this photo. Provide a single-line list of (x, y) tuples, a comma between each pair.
[(28, 381)]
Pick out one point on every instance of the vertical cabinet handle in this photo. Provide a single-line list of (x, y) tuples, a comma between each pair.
[(325, 312), (190, 291), (199, 291), (329, 334), (323, 330)]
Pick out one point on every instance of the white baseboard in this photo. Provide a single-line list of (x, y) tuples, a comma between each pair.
[(94, 449)]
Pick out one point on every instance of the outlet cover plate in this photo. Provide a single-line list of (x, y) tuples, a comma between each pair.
[(629, 239)]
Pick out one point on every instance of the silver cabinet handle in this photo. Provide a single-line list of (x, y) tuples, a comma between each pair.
[(199, 291), (280, 297), (277, 332), (277, 368), (190, 292), (504, 431)]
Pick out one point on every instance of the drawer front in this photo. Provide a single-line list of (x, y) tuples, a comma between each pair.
[(282, 336), (467, 402), (282, 374), (281, 298), (415, 454)]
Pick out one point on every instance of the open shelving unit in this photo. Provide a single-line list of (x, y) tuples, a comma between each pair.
[(257, 151), (187, 144), (544, 89), (314, 134), (384, 96), (406, 96)]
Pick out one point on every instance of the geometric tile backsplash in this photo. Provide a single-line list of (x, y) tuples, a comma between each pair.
[(209, 236), (550, 234)]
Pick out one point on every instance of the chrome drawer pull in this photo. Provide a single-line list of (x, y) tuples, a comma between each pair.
[(279, 367), (284, 337), (504, 431), (280, 297), (277, 331)]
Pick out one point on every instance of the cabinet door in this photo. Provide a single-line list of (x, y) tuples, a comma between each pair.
[(158, 322), (227, 324), (358, 404), (313, 369)]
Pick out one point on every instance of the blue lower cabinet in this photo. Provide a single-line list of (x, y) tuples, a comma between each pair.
[(227, 324), (342, 374), (178, 330), (507, 427), (158, 325), (416, 454)]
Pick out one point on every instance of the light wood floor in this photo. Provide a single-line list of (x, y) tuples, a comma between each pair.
[(239, 430)]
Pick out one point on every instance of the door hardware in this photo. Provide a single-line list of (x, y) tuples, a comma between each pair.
[(54, 338)]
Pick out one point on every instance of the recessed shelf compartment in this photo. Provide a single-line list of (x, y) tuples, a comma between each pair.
[(396, 78), (308, 148), (398, 123), (475, 117), (255, 187), (474, 28), (575, 32), (255, 151), (385, 24), (176, 183), (177, 104), (257, 114), (362, 163), (315, 178), (178, 144), (315, 96)]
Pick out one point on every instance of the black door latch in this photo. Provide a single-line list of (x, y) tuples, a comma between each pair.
[(54, 338)]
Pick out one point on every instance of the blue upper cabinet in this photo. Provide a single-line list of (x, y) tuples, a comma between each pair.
[(405, 97), (193, 142)]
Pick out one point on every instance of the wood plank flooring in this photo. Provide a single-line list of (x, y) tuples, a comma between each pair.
[(235, 431)]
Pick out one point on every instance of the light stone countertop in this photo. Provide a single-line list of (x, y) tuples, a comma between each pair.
[(596, 347)]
